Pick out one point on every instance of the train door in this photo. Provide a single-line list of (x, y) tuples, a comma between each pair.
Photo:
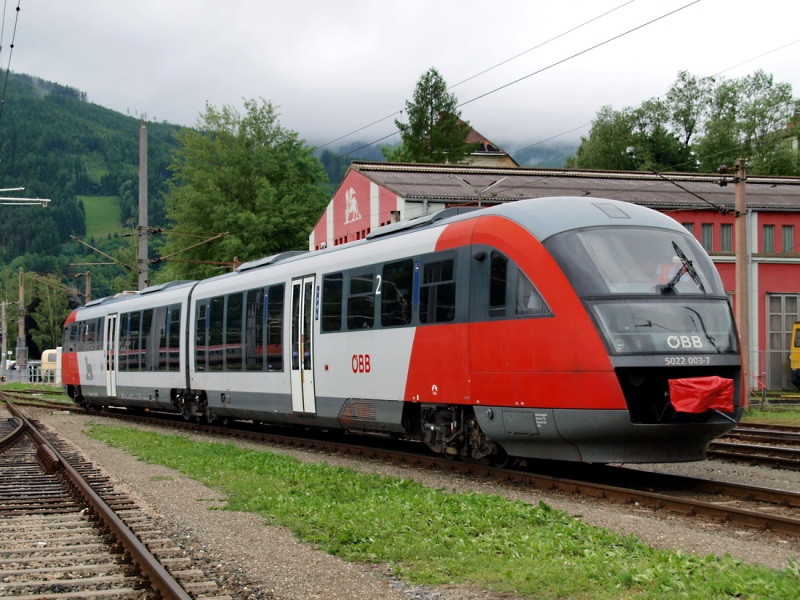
[(302, 372), (110, 355)]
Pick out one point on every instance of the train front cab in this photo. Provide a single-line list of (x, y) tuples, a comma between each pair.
[(658, 303), (635, 311)]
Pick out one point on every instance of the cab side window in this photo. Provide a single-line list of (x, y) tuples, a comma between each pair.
[(529, 301), (498, 280)]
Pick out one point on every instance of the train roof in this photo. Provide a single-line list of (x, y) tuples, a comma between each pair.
[(545, 217)]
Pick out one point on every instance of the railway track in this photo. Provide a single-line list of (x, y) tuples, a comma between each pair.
[(758, 507), (762, 444), (65, 532)]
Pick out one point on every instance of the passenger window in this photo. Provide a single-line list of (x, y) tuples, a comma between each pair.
[(332, 285), (437, 302), (361, 302), (529, 301), (174, 338), (201, 330), (124, 341), (233, 333), (396, 283), (255, 319), (498, 277), (216, 328), (134, 337), (147, 343), (275, 328)]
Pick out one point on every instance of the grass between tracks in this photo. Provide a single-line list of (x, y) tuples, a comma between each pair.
[(444, 537)]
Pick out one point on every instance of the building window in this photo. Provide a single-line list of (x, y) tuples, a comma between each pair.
[(788, 238), (726, 237), (689, 227), (707, 236), (769, 238)]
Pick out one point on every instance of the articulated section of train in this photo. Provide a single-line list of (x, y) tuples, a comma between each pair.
[(558, 328)]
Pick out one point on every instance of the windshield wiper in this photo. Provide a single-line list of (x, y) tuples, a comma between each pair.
[(686, 267)]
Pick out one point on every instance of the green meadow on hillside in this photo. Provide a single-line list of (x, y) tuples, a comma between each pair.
[(102, 216)]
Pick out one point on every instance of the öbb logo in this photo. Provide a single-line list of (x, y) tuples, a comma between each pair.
[(684, 341), (360, 363)]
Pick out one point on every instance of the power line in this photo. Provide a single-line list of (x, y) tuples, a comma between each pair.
[(589, 49), (11, 52), (540, 142), (552, 39), (551, 65), (560, 35)]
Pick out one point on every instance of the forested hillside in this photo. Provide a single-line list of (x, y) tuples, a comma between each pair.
[(58, 145)]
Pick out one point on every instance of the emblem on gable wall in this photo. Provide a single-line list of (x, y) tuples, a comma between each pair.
[(351, 212)]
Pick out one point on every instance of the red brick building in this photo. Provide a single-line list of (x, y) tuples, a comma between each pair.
[(375, 194)]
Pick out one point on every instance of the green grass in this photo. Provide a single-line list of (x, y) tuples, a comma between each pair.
[(446, 537), (102, 216), (774, 414)]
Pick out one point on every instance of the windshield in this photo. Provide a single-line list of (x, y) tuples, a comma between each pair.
[(668, 326), (634, 260)]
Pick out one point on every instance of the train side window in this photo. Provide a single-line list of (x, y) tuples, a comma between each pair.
[(149, 348), (254, 329), (174, 338), (396, 283), (498, 280), (124, 342), (275, 328), (529, 300), (201, 329), (437, 303), (160, 318), (332, 287), (134, 334), (91, 335), (68, 341), (361, 301), (216, 330), (233, 333)]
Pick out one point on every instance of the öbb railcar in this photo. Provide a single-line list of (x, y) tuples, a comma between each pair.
[(553, 328)]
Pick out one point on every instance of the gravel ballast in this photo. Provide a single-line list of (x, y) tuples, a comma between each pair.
[(268, 562)]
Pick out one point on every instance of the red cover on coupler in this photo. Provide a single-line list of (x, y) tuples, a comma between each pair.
[(701, 394)]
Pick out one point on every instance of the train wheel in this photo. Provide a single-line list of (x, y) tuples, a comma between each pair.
[(501, 460)]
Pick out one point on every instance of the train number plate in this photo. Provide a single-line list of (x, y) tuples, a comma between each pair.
[(679, 361)]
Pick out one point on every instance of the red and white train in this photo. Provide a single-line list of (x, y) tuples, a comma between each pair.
[(560, 328)]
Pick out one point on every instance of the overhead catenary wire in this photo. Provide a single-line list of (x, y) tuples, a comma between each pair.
[(471, 77), (579, 127), (10, 53), (543, 69)]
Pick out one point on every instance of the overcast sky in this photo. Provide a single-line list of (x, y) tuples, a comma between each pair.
[(332, 67)]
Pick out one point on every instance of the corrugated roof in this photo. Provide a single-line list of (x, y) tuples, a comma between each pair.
[(662, 191)]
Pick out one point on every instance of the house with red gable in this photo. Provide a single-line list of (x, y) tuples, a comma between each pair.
[(376, 194)]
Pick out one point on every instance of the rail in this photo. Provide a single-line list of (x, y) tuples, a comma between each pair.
[(149, 566)]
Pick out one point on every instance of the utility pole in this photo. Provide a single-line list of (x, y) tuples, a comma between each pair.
[(143, 231), (3, 332), (22, 345), (742, 281), (87, 296)]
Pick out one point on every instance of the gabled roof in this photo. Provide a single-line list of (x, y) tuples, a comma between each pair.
[(486, 148), (455, 184)]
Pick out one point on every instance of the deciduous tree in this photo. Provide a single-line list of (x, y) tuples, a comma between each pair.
[(246, 175)]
